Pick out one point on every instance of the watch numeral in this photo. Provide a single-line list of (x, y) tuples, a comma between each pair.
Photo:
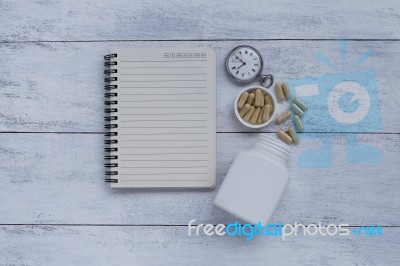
[(253, 70)]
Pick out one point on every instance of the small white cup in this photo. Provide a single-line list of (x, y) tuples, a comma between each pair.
[(265, 91)]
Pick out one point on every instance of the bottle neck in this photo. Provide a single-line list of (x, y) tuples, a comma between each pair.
[(273, 148)]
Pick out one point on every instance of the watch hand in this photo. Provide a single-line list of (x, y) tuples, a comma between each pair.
[(240, 60), (241, 65)]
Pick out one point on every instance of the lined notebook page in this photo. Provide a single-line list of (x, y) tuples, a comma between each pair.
[(166, 117)]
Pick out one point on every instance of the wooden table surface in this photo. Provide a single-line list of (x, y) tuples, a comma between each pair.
[(55, 208)]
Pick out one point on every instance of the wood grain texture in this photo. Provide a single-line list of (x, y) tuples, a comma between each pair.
[(57, 179), (98, 245), (51, 81), (59, 86), (173, 20)]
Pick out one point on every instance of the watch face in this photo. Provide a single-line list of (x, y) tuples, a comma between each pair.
[(244, 63)]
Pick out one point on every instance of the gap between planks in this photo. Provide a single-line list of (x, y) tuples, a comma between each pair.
[(160, 225), (218, 132), (203, 40)]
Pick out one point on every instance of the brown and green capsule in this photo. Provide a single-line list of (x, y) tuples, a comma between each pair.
[(297, 110), (267, 100), (300, 104), (279, 92), (249, 114), (259, 119), (254, 117), (285, 137), (298, 123), (242, 99), (266, 114), (282, 118), (250, 99), (244, 110), (294, 135), (259, 98), (286, 91)]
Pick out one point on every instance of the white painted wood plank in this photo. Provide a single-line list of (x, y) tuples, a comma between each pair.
[(166, 20), (98, 245), (58, 179), (59, 86)]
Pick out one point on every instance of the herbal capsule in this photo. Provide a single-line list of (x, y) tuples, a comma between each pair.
[(286, 91), (285, 137), (267, 100), (283, 117), (249, 114), (244, 110), (298, 123), (294, 135), (242, 99), (266, 113), (300, 104), (259, 100), (255, 115), (279, 92), (250, 98), (297, 110), (262, 101), (259, 119)]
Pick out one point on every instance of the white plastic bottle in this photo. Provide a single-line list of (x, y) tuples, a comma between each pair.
[(255, 181)]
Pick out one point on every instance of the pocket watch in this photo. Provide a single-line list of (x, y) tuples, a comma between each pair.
[(244, 64)]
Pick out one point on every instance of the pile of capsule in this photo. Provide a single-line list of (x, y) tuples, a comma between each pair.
[(298, 107), (255, 107)]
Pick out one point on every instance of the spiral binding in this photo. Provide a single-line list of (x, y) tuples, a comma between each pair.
[(110, 118)]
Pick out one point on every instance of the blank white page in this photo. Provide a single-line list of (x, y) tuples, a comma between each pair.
[(166, 117)]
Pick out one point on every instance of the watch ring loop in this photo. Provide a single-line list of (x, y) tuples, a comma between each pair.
[(267, 77)]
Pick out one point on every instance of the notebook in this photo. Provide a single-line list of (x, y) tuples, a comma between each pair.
[(160, 116)]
